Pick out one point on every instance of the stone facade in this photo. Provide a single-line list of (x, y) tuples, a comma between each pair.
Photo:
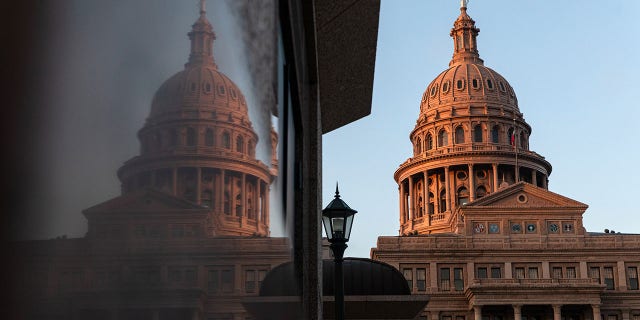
[(479, 231)]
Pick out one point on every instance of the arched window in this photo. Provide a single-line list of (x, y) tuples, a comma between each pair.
[(238, 205), (459, 135), (227, 203), (463, 196), (431, 203), (207, 198), (523, 140), (226, 140), (442, 138), (443, 200), (477, 133), (191, 136), (481, 191), (429, 141), (208, 138), (157, 141), (418, 145), (495, 134), (419, 200), (239, 144)]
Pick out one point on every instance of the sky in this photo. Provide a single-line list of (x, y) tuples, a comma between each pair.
[(574, 68), (572, 64)]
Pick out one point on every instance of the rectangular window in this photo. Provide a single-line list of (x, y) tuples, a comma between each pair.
[(594, 273), (220, 280), (482, 273), (533, 273), (557, 273), (496, 273), (250, 281), (445, 283), (519, 273), (421, 281), (632, 274), (571, 273), (608, 278), (458, 280), (408, 275)]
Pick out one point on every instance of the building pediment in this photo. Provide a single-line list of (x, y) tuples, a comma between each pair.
[(146, 200), (525, 195)]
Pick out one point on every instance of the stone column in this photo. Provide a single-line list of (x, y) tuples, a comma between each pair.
[(412, 207), (243, 195), (198, 184), (155, 314), (596, 311), (508, 273), (534, 177), (557, 311), (477, 312), (495, 176), (174, 177), (221, 192), (545, 270), (434, 315), (433, 275), (265, 208), (517, 312), (622, 283), (258, 205), (626, 314), (545, 181), (401, 202), (472, 185), (447, 188), (195, 315), (425, 189)]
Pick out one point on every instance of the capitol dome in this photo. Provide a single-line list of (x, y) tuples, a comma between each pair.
[(470, 140)]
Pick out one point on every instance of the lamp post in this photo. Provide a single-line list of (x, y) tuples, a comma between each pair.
[(337, 219)]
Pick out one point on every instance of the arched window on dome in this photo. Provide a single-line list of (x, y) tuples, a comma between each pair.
[(523, 141), (463, 196), (157, 142), (418, 145), (459, 135), (239, 144), (490, 84), (226, 140), (443, 201), (442, 138), (477, 133), (208, 137), (419, 201), (191, 137), (207, 198), (250, 148), (429, 141), (481, 191), (227, 203), (495, 134), (238, 205), (430, 208)]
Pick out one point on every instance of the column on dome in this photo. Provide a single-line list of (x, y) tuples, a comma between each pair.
[(472, 185), (534, 177), (257, 200), (400, 202), (265, 207), (412, 207), (447, 189), (425, 189), (221, 190), (243, 195), (494, 167)]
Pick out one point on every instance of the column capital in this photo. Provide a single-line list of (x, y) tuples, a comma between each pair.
[(516, 307)]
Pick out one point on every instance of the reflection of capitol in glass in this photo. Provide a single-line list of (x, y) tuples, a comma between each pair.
[(199, 144)]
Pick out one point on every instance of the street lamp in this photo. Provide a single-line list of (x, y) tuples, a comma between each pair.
[(337, 219)]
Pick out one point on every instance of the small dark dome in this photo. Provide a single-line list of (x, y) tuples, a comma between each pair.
[(361, 277)]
